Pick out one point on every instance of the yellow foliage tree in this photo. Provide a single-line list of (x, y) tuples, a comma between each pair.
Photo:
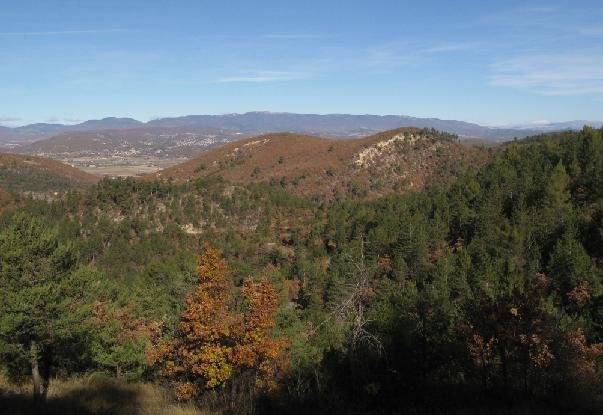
[(215, 343), (255, 348)]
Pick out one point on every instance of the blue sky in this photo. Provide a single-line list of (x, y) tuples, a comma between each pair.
[(490, 62)]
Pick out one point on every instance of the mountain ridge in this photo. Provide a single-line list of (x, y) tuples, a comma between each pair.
[(260, 122)]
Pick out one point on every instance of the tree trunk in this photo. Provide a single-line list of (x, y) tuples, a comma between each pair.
[(46, 367), (38, 387), (505, 372)]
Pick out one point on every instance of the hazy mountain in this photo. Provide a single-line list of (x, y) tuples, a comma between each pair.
[(5, 133), (326, 125), (33, 132), (560, 126), (108, 123), (334, 125)]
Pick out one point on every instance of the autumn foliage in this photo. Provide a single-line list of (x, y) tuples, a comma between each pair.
[(215, 341)]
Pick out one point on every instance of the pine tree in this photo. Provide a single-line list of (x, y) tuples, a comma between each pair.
[(557, 195), (41, 301)]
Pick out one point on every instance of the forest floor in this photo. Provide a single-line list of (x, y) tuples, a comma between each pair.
[(94, 396)]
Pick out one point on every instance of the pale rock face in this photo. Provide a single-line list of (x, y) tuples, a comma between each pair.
[(190, 229), (250, 144), (370, 155), (257, 142)]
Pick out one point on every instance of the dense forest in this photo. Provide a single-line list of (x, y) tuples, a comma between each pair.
[(475, 295)]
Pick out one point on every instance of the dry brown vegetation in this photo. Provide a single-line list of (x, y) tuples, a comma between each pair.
[(94, 396), (396, 160), (7, 200), (17, 168), (37, 177)]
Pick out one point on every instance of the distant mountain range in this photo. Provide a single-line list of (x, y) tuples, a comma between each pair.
[(559, 126), (39, 131), (329, 125)]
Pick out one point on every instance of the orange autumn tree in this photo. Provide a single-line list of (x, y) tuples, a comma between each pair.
[(215, 343), (255, 348)]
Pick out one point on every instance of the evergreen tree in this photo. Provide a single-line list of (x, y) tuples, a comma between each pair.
[(42, 301)]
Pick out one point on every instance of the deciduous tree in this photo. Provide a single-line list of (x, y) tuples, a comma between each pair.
[(216, 344)]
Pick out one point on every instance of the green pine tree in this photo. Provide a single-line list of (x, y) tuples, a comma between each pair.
[(40, 295)]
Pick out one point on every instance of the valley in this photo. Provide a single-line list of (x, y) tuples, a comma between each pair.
[(121, 165), (127, 152)]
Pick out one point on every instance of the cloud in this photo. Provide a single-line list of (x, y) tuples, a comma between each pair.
[(453, 47), (62, 120), (266, 76), (9, 121), (552, 74)]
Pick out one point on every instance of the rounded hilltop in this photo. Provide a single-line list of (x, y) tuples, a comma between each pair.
[(395, 160)]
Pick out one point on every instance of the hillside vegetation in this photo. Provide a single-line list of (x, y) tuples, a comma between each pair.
[(397, 160), (20, 173), (475, 289)]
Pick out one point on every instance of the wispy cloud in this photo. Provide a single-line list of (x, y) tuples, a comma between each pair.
[(63, 32), (9, 121), (266, 76), (560, 74), (453, 47), (63, 120)]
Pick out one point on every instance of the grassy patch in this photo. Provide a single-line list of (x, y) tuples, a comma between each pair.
[(98, 396)]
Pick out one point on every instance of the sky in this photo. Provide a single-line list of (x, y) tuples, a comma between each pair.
[(490, 62)]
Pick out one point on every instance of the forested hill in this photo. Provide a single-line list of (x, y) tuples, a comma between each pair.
[(465, 295), (397, 160), (23, 177), (36, 174)]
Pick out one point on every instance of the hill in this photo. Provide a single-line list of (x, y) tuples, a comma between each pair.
[(396, 160), (39, 176)]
